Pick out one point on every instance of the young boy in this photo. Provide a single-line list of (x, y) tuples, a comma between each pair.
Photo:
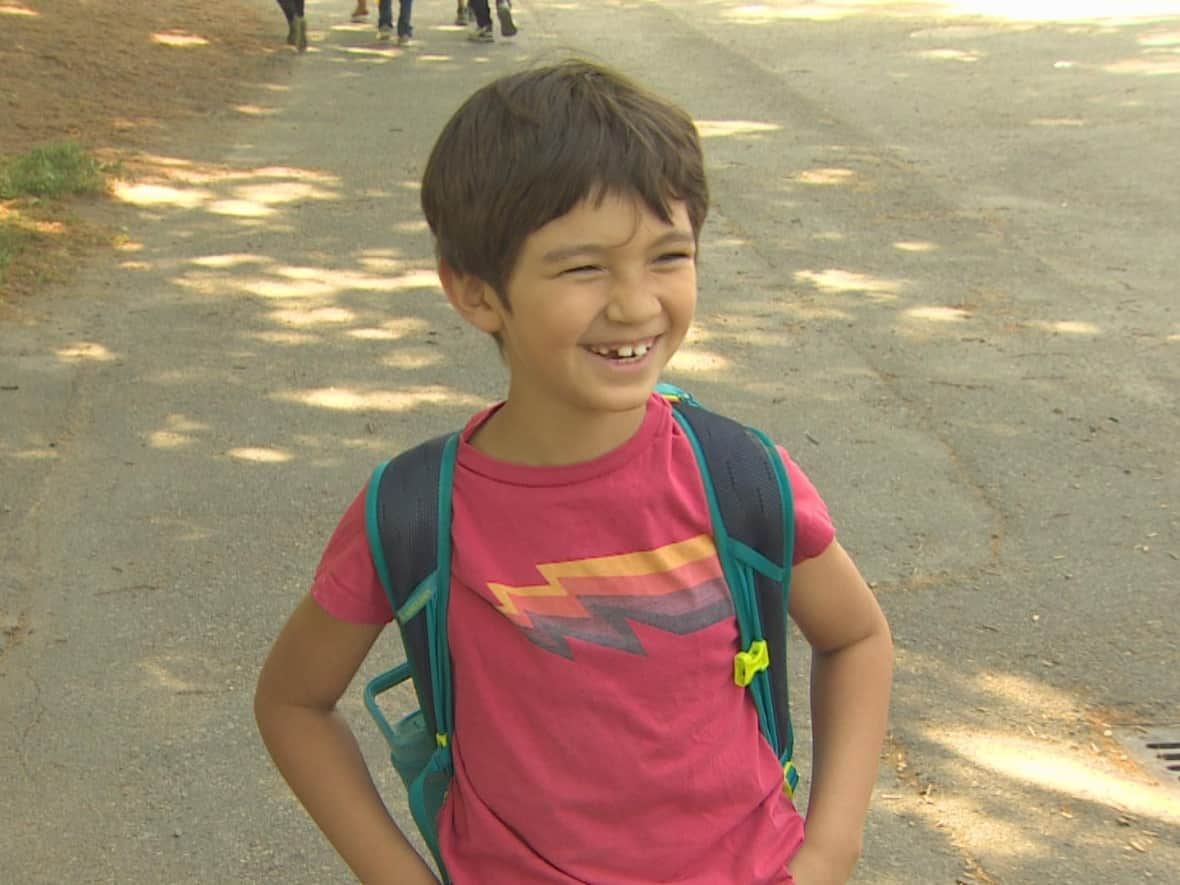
[(599, 736)]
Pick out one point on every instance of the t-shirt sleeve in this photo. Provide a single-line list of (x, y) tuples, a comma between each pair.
[(346, 585), (813, 526)]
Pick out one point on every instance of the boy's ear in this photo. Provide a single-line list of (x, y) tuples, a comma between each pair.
[(472, 298)]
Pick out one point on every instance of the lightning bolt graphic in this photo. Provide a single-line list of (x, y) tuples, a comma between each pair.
[(679, 588)]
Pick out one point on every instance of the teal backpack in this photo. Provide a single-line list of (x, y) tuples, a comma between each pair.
[(408, 520)]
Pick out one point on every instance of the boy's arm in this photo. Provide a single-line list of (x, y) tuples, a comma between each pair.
[(852, 670), (310, 666)]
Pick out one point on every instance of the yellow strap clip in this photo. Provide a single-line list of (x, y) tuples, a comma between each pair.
[(442, 739), (790, 779), (746, 664)]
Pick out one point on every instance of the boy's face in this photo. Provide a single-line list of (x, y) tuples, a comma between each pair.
[(601, 299)]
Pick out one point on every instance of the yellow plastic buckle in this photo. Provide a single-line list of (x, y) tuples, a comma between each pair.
[(746, 664), (790, 779), (442, 739)]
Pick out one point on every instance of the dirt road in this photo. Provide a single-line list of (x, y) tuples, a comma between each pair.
[(939, 269)]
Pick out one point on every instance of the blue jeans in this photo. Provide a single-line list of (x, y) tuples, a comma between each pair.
[(385, 16)]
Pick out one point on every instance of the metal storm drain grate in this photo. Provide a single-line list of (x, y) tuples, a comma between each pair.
[(1158, 749)]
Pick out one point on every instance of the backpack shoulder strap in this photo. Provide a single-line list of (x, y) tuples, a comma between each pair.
[(407, 519), (749, 489)]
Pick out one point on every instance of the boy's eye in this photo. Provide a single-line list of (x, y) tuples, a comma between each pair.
[(581, 269), (680, 255)]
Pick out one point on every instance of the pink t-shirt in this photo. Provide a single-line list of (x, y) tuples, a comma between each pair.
[(599, 736)]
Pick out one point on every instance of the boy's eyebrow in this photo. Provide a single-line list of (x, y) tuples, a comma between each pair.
[(563, 253)]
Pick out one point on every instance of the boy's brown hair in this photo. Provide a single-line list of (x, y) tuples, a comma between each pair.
[(528, 147)]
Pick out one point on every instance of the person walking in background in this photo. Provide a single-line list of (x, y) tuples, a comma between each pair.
[(296, 23), (483, 20), (405, 31)]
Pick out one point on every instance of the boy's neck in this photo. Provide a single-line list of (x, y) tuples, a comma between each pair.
[(513, 435)]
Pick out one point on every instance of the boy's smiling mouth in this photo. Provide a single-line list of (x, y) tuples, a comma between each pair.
[(633, 351)]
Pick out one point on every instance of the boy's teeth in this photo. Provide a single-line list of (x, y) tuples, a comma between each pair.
[(623, 351)]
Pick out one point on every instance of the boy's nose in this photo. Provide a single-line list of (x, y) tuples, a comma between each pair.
[(632, 301)]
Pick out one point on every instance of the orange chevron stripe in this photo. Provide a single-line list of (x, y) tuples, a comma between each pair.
[(676, 566)]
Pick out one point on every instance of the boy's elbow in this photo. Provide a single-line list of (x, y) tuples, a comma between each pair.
[(879, 643), (874, 638), (877, 634), (884, 638), (278, 698), (274, 715), (263, 703), (269, 700)]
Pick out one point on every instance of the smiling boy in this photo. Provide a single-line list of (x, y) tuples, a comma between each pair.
[(599, 736), (598, 302)]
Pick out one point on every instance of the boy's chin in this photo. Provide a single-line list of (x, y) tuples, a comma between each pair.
[(622, 402)]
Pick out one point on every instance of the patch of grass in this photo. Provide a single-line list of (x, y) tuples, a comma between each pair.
[(38, 238), (51, 171)]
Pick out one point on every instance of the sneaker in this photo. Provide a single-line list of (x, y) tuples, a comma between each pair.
[(404, 39), (504, 13), (300, 34), (482, 35), (461, 16), (384, 32), (360, 13)]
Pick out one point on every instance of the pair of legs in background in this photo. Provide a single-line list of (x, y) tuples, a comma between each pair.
[(296, 23), (385, 20), (483, 19)]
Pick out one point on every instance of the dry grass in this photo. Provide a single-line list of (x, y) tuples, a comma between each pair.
[(43, 242), (114, 77)]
